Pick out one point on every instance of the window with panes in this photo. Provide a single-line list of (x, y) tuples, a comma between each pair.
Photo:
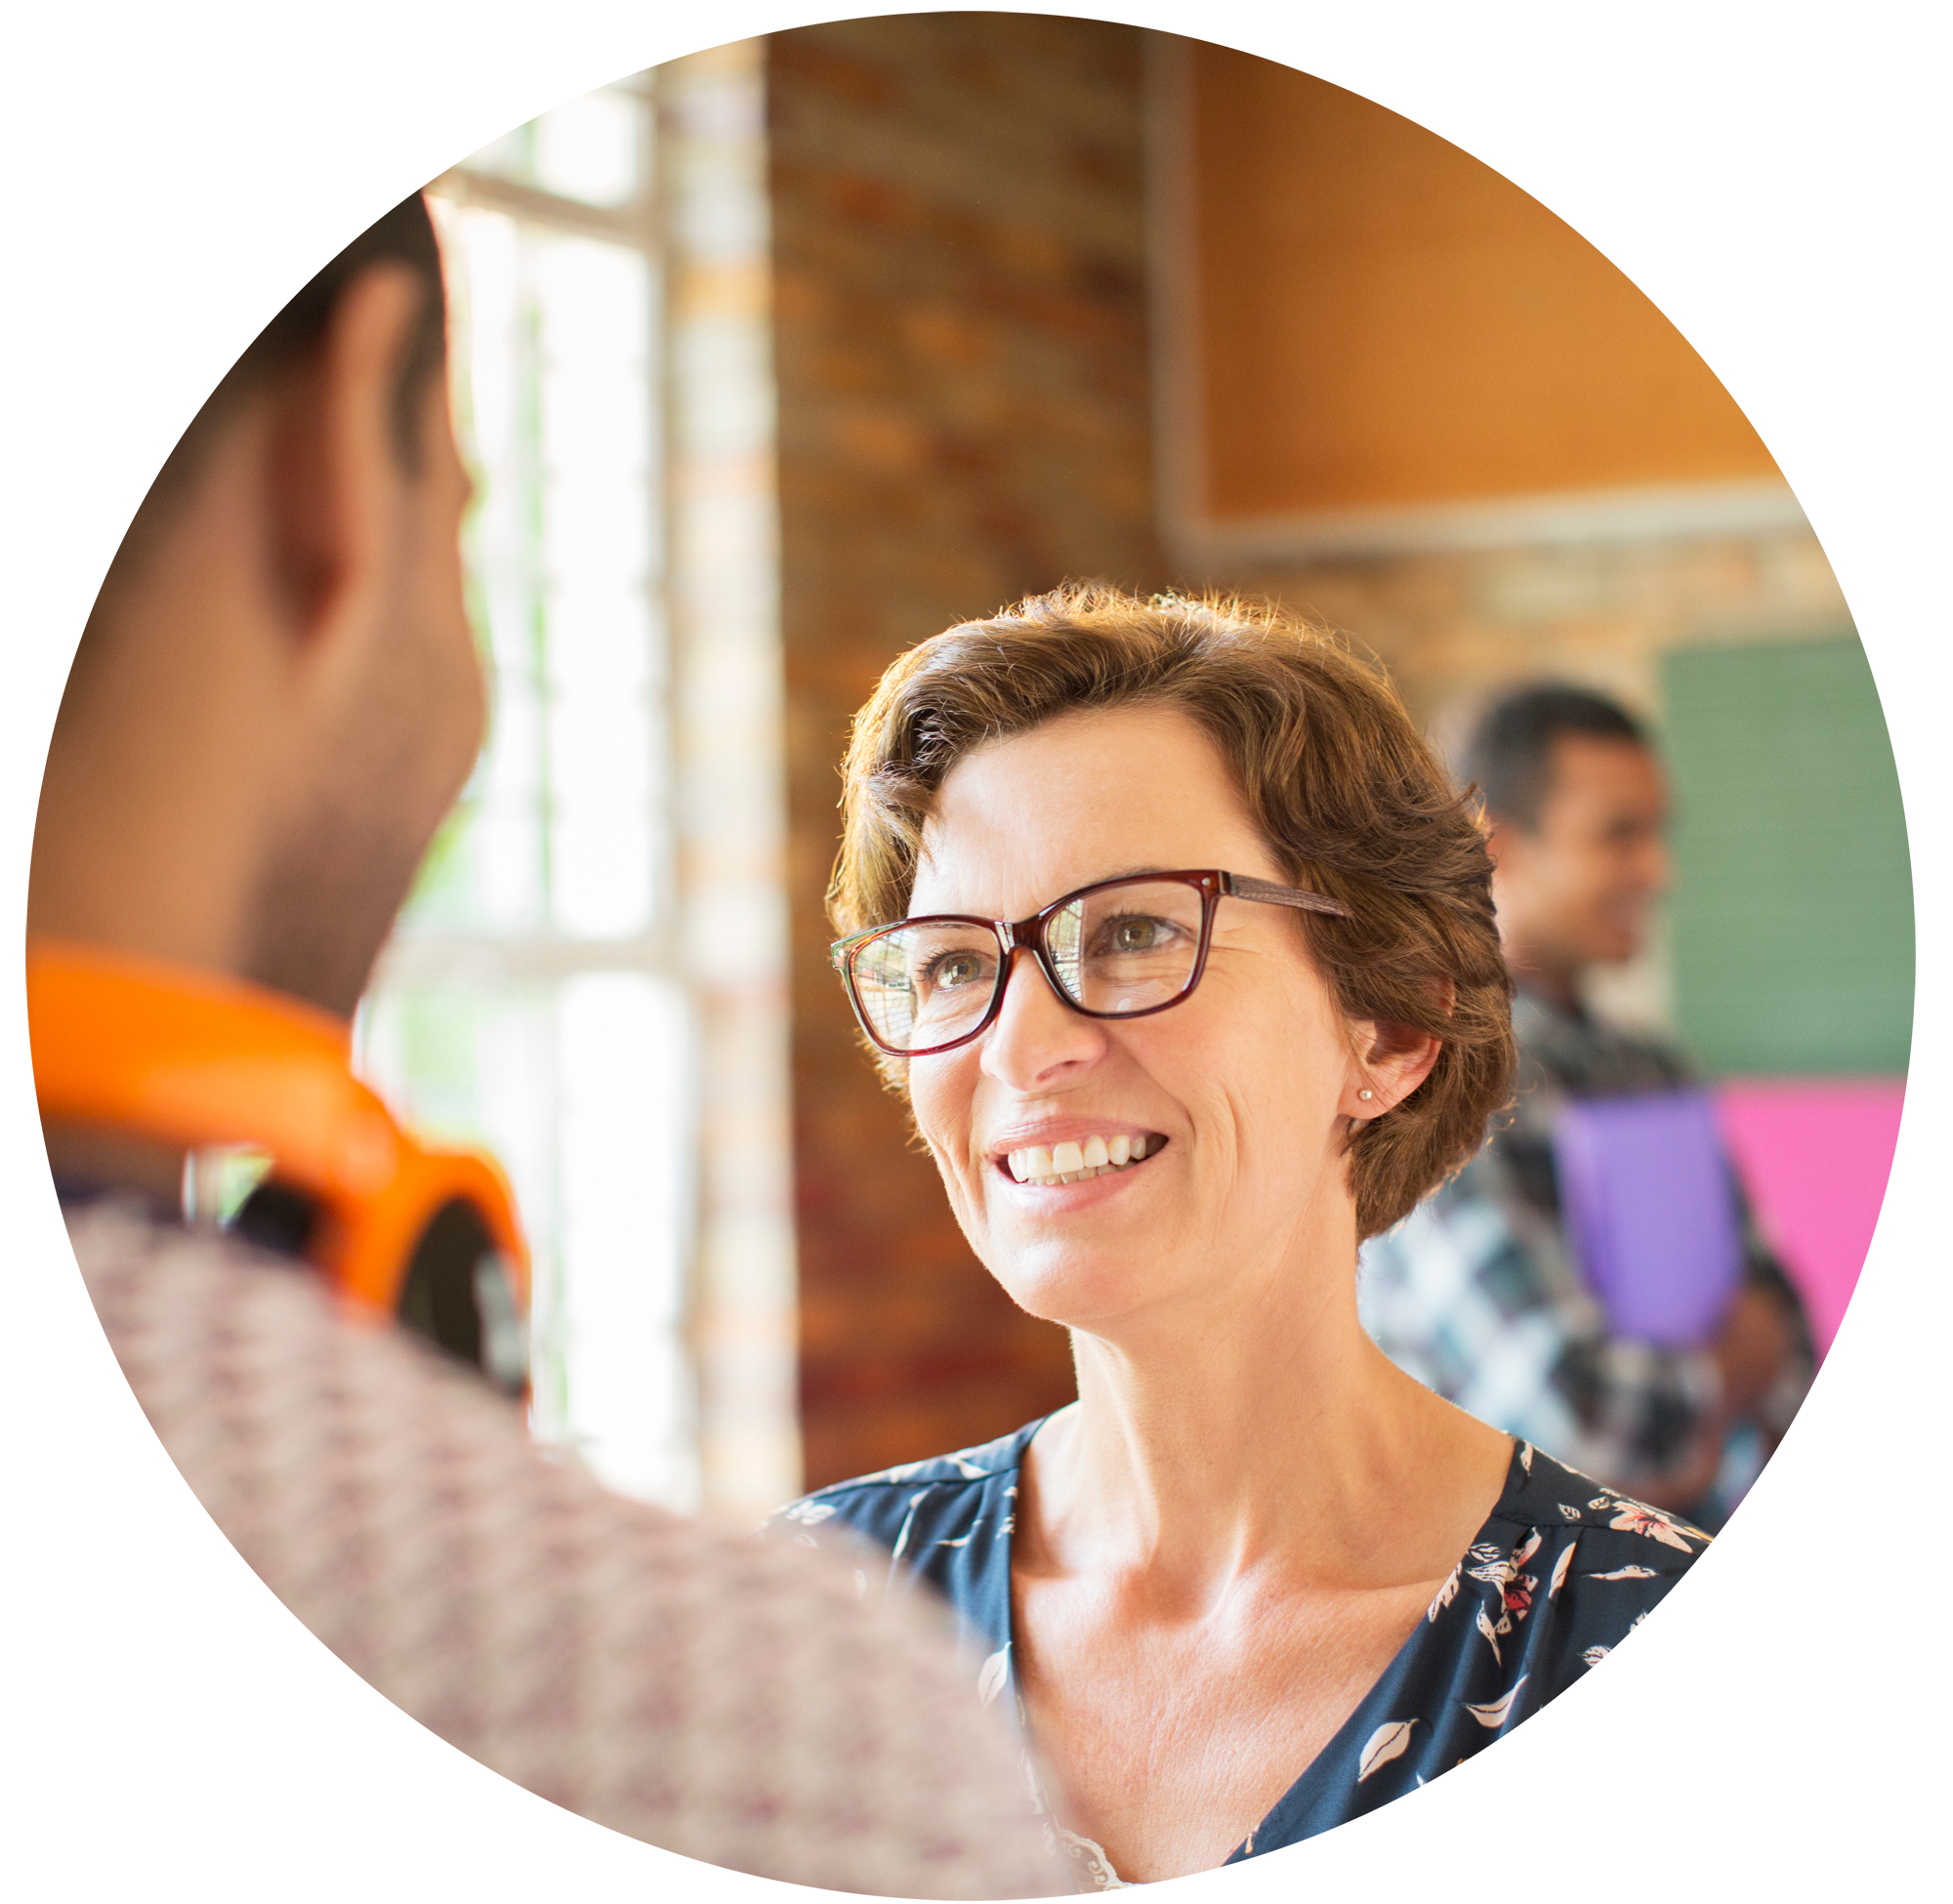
[(544, 994)]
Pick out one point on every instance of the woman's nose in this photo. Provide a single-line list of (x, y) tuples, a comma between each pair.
[(1036, 1033)]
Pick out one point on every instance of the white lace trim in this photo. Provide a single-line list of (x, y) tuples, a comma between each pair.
[(1090, 1859)]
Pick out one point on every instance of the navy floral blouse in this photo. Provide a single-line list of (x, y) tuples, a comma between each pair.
[(1600, 1704)]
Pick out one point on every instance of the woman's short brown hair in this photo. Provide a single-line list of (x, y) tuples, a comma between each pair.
[(1349, 796)]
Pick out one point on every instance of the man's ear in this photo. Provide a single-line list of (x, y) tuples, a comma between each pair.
[(336, 473)]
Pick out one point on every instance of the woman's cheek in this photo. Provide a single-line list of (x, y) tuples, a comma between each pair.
[(932, 1099)]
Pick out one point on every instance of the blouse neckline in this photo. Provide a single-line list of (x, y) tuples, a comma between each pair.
[(1375, 1695)]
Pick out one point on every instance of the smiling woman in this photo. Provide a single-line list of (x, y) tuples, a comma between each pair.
[(1254, 1580), (1315, 759)]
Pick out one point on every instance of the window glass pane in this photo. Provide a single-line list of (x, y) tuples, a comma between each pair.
[(526, 1010), (563, 826), (578, 1086), (593, 304), (622, 1073)]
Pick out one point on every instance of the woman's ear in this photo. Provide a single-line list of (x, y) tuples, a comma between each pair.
[(1391, 1061)]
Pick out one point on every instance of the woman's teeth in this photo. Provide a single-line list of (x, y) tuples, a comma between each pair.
[(1072, 1163)]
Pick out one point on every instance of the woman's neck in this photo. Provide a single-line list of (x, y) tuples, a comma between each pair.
[(1266, 1431)]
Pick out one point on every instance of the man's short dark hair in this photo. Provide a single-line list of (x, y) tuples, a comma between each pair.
[(1508, 754), (200, 190)]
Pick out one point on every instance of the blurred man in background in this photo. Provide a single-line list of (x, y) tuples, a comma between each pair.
[(274, 702), (1480, 1293)]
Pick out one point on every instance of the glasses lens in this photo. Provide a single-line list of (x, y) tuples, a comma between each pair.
[(1129, 947), (926, 984)]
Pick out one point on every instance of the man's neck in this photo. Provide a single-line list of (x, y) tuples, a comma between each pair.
[(1550, 981)]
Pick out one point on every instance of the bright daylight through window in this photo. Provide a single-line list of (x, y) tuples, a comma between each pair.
[(542, 995)]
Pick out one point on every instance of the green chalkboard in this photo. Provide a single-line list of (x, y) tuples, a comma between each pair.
[(1792, 912)]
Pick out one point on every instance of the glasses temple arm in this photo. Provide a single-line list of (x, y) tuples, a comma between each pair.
[(1268, 892)]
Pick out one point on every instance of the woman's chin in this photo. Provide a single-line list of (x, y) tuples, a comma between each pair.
[(1077, 1291)]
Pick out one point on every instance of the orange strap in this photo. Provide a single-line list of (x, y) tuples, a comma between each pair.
[(191, 1058)]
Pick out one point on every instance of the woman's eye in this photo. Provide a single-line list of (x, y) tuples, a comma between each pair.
[(1138, 933), (953, 969)]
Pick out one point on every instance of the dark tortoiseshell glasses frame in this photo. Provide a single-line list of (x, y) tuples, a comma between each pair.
[(1028, 935)]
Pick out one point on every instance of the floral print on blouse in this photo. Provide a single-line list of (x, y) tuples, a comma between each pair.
[(1600, 1704)]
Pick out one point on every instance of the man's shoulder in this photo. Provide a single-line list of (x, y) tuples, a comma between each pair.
[(308, 1426), (266, 1338), (290, 1410), (570, 1639)]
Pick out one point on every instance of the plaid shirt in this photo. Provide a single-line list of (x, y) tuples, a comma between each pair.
[(1477, 1294)]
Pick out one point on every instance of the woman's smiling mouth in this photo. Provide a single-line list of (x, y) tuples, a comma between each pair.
[(1073, 1161)]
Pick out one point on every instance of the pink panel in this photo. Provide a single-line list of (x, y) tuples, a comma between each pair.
[(1831, 1173)]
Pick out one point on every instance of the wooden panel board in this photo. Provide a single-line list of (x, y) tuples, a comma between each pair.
[(1382, 320), (1793, 937)]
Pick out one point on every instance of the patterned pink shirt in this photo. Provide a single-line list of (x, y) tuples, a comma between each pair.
[(721, 1696)]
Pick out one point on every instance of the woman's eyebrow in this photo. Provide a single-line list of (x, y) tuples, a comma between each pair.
[(1126, 873)]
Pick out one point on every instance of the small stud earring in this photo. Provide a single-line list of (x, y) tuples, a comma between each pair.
[(1366, 1095)]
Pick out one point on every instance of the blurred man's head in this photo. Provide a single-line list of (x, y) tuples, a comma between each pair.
[(276, 696), (1577, 810)]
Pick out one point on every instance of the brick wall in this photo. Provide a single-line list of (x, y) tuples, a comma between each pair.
[(964, 417), (961, 354)]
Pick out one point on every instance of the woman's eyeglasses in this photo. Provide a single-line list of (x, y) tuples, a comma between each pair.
[(1119, 949)]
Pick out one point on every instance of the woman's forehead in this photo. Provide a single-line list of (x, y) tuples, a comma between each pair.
[(1086, 797)]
